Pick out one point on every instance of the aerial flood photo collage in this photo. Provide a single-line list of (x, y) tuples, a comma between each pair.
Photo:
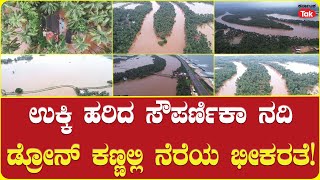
[(159, 48)]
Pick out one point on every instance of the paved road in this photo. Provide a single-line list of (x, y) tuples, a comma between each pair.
[(194, 78)]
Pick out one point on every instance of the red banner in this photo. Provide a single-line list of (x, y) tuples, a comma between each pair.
[(219, 137)]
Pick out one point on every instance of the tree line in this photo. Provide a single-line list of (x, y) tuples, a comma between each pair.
[(127, 23), (258, 21), (196, 42), (183, 84), (140, 72), (257, 43)]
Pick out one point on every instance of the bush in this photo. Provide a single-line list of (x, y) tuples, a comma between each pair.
[(19, 91)]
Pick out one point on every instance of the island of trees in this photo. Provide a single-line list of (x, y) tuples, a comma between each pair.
[(164, 21), (255, 81), (140, 72), (196, 42), (127, 23)]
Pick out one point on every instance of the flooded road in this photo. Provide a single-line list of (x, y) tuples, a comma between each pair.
[(299, 31), (152, 85), (229, 86), (50, 70), (146, 40), (207, 29), (278, 83)]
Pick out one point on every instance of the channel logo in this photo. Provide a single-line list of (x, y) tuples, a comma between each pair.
[(306, 13)]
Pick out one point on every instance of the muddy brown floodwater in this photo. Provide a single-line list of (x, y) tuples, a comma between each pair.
[(298, 30), (153, 85), (146, 40), (229, 86), (278, 83), (207, 29)]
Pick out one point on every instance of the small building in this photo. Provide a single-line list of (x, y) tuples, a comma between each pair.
[(52, 23)]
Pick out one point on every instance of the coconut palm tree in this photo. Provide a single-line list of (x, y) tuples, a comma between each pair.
[(75, 10), (100, 36), (57, 48), (103, 19), (9, 46), (49, 8), (80, 43), (16, 20)]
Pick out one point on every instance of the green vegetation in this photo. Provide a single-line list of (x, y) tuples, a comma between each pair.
[(314, 24), (140, 72), (297, 83), (183, 84), (22, 22), (127, 23), (226, 70), (257, 20), (196, 42), (256, 43), (19, 91), (164, 20), (19, 58), (86, 92), (255, 81)]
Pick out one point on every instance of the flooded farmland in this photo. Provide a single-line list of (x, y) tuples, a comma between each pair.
[(151, 85), (229, 87), (298, 30), (57, 75), (146, 40)]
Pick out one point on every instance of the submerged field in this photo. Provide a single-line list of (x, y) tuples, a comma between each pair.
[(267, 75)]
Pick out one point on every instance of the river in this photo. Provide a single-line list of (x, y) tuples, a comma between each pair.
[(207, 30), (54, 70), (279, 86), (153, 85), (146, 41), (229, 86), (298, 30)]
